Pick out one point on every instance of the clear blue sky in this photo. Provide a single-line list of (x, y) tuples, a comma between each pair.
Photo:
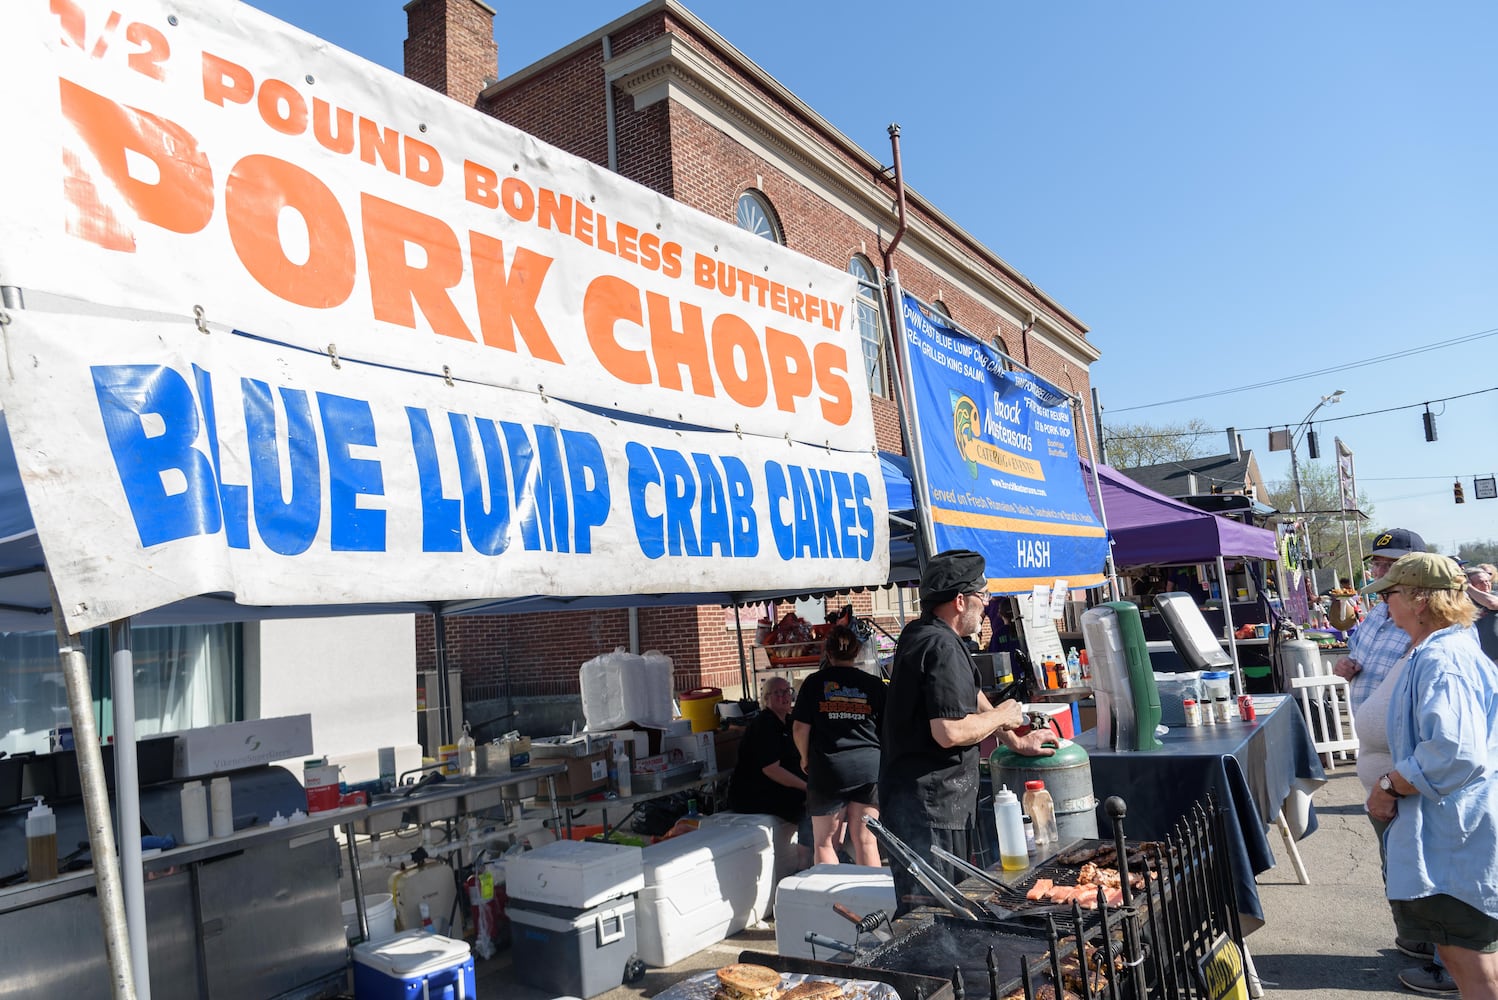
[(1226, 195)]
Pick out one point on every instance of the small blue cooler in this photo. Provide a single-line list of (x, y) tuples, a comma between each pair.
[(411, 965)]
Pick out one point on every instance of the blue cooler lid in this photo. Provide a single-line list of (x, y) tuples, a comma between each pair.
[(412, 954)]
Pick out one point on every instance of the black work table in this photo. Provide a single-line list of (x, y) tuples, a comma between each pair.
[(1248, 768)]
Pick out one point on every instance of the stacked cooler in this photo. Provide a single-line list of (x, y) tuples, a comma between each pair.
[(700, 887), (572, 915)]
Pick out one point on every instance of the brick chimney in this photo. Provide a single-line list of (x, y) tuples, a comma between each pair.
[(450, 47)]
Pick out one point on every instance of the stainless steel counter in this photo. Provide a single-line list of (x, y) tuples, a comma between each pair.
[(241, 917)]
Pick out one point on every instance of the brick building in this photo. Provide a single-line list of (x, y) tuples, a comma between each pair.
[(660, 98)]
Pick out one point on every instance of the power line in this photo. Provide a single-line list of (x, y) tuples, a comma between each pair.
[(1271, 427), (1349, 366)]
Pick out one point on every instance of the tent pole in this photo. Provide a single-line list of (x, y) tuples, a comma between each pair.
[(127, 801), (738, 620), (444, 696), (1102, 511), (95, 805), (1227, 617)]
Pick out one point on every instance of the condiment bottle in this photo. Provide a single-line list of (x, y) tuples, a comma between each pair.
[(621, 767), (1042, 811), (1010, 823), (41, 843), (1193, 713), (467, 764), (194, 798), (1224, 710)]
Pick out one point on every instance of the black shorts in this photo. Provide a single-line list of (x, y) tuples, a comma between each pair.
[(1443, 919), (818, 804)]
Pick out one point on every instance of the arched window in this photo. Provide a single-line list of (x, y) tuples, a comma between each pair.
[(870, 323), (756, 215), (998, 342)]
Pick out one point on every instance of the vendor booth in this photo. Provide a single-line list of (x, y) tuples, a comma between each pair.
[(452, 369), (1149, 529)]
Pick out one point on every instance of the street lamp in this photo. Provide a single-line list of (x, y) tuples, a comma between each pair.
[(1300, 500)]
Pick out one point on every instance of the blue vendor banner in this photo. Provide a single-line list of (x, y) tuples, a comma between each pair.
[(999, 456)]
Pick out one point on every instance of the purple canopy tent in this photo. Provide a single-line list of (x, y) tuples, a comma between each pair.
[(1149, 528)]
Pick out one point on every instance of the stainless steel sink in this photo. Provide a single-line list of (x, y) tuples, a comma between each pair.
[(430, 804)]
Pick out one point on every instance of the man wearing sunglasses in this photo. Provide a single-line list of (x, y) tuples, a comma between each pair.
[(936, 715)]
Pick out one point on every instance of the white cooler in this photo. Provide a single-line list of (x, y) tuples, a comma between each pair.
[(700, 887), (781, 833), (804, 903), (575, 873)]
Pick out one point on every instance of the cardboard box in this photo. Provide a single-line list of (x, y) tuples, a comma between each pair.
[(694, 746), (234, 745), (636, 741), (653, 764), (585, 776), (726, 746)]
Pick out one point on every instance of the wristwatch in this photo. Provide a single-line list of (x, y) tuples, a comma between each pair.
[(1387, 784)]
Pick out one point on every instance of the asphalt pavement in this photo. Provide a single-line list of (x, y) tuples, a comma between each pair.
[(1332, 939)]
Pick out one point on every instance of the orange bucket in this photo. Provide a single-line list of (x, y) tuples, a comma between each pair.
[(701, 706)]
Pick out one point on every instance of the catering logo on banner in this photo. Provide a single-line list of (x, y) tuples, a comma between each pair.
[(1000, 461), (604, 358)]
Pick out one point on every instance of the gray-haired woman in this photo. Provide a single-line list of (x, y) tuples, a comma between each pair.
[(1440, 797)]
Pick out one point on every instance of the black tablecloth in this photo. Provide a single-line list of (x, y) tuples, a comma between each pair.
[(1249, 768)]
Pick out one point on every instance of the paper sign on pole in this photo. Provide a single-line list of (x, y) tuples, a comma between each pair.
[(1059, 591)]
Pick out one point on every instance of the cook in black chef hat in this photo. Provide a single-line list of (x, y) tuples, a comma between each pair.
[(953, 572)]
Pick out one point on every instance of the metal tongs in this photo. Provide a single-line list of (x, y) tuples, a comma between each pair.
[(932, 880)]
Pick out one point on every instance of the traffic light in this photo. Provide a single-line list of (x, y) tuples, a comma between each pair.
[(1430, 425), (1456, 491), (1313, 447)]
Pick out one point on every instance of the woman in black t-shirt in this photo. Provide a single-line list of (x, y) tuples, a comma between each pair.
[(836, 727), (768, 778)]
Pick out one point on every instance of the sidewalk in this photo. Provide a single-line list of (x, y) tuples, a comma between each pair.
[(1332, 939)]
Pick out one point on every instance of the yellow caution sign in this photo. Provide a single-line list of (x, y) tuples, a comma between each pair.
[(1221, 970)]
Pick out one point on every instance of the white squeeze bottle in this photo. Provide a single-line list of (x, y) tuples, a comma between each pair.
[(1010, 823), (621, 763)]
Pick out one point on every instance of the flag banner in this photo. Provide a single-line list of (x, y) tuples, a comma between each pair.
[(1000, 461), (1347, 485)]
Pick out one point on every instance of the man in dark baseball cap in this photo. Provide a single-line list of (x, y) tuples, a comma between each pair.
[(1393, 543), (1374, 647)]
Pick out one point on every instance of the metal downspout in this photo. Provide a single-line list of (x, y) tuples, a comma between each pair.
[(889, 251), (925, 534), (609, 114)]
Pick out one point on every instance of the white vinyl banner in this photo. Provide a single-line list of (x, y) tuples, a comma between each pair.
[(392, 264), (163, 462)]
